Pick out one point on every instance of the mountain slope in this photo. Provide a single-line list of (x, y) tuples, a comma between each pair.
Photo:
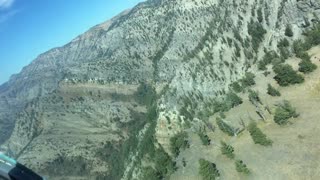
[(294, 152), (91, 102)]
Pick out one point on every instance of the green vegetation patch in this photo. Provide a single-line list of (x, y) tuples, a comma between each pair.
[(284, 112), (208, 170), (236, 87), (313, 36), (268, 58), (286, 76), (306, 66), (224, 127), (254, 97), (273, 91), (283, 43), (204, 138), (233, 100), (257, 135), (227, 150), (312, 39), (150, 173), (241, 167), (178, 142), (288, 31), (242, 84), (248, 80), (257, 32), (146, 94)]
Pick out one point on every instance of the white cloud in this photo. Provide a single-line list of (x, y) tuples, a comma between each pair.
[(6, 3), (5, 10)]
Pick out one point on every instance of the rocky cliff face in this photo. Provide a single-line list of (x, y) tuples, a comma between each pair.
[(72, 102)]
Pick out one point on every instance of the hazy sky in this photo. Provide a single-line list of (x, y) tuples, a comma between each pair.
[(31, 27)]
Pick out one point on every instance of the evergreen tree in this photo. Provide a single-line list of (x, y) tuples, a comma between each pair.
[(241, 167), (204, 138), (227, 150), (150, 174), (288, 31), (306, 66), (285, 75), (272, 91), (208, 170), (236, 87), (248, 80), (260, 16), (233, 100), (284, 112), (254, 97), (178, 142), (224, 127), (257, 135)]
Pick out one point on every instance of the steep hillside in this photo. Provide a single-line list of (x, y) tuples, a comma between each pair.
[(294, 152), (109, 104)]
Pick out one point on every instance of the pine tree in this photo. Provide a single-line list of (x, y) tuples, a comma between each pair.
[(288, 31), (208, 170), (257, 135), (227, 150), (224, 127), (272, 91), (233, 100), (284, 112), (306, 66), (204, 138), (254, 97), (241, 167), (178, 142)]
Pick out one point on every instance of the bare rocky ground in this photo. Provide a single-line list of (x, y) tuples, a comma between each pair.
[(295, 150)]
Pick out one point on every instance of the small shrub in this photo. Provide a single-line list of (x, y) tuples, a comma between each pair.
[(285, 75), (284, 53), (267, 59), (248, 80), (204, 138), (257, 135), (237, 35), (273, 91), (178, 142), (184, 162), (222, 115), (284, 112), (236, 87), (145, 94), (164, 165), (254, 97), (208, 170), (306, 66), (241, 167), (224, 127), (260, 16), (303, 55), (227, 150), (149, 173), (257, 32), (313, 36), (299, 46), (283, 43), (220, 106), (276, 62), (288, 31), (233, 100)]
